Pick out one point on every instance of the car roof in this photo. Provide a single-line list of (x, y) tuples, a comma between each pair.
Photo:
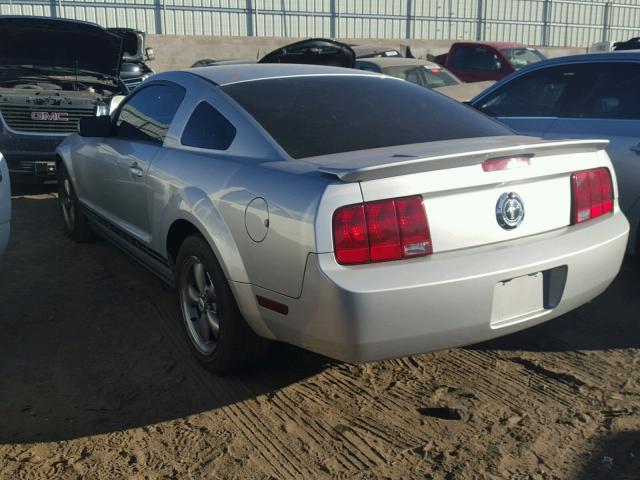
[(631, 55), (398, 62), (228, 74)]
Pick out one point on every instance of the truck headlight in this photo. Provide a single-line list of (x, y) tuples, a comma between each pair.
[(102, 109)]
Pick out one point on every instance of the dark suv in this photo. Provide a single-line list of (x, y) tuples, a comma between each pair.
[(53, 72)]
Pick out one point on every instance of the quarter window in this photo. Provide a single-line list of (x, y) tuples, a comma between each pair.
[(208, 128), (147, 115)]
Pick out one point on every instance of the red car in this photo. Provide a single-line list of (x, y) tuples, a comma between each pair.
[(481, 61)]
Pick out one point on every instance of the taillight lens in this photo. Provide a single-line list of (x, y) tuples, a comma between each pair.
[(350, 237), (381, 231), (507, 163), (592, 194)]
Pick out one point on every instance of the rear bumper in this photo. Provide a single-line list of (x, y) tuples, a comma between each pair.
[(379, 311)]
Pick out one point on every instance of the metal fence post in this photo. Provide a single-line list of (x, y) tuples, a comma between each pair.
[(53, 8), (409, 18), (157, 10), (546, 20), (250, 31), (481, 21), (606, 27), (332, 19)]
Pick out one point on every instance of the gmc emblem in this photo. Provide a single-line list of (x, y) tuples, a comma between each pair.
[(50, 116)]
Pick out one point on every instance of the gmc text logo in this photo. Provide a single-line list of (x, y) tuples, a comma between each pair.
[(50, 116)]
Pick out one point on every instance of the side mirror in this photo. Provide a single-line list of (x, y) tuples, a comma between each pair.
[(149, 53), (95, 126)]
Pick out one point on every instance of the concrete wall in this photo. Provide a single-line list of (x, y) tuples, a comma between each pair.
[(181, 51)]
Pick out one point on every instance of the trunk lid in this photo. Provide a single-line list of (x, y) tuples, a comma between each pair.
[(315, 51), (467, 206)]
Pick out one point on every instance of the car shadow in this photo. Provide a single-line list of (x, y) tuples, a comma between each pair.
[(90, 342), (616, 456), (608, 322)]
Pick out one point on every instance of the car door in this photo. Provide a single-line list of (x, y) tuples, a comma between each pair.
[(476, 63), (530, 103), (609, 108), (119, 190)]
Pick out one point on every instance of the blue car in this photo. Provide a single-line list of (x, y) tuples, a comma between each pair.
[(583, 96)]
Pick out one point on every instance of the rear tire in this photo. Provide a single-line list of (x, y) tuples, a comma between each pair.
[(217, 333), (75, 222)]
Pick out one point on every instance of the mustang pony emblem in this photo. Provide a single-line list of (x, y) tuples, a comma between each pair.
[(509, 210)]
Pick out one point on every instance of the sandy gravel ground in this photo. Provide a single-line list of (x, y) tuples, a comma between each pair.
[(96, 382)]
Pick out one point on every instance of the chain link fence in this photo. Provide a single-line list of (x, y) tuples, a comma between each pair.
[(563, 23)]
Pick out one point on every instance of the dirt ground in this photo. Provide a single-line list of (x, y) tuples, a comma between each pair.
[(96, 382)]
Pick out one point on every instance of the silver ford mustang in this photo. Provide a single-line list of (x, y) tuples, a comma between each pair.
[(349, 213)]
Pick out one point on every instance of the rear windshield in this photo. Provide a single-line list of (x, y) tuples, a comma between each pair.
[(321, 115), (521, 57), (430, 77)]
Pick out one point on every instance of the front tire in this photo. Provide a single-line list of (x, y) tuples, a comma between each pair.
[(75, 222), (217, 333)]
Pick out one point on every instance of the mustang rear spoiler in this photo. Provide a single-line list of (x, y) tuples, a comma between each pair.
[(415, 163)]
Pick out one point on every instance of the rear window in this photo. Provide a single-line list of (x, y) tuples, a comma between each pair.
[(430, 77), (521, 57), (321, 115)]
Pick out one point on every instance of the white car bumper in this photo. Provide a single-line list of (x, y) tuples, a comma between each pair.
[(385, 310)]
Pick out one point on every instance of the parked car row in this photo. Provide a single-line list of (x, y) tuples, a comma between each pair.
[(326, 201)]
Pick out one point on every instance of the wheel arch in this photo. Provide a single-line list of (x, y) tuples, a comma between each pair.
[(229, 259)]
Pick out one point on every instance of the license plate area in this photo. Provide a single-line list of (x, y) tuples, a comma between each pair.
[(517, 299)]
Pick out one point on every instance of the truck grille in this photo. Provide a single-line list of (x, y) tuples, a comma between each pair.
[(19, 118)]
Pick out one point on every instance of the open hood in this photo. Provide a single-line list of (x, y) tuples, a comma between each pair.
[(315, 51), (68, 44)]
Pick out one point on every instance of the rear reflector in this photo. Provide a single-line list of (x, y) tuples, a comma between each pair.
[(272, 305), (592, 194), (381, 231), (506, 163)]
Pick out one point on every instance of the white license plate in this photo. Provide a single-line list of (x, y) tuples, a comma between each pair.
[(517, 299)]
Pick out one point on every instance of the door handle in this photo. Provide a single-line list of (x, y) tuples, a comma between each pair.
[(135, 169), (636, 149)]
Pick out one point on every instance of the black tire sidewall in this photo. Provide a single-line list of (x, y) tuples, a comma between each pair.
[(224, 356)]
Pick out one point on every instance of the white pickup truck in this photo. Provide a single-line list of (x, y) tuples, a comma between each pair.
[(5, 204)]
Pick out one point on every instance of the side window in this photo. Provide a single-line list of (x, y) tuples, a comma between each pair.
[(461, 57), (613, 92), (549, 92), (475, 58), (208, 128), (147, 115)]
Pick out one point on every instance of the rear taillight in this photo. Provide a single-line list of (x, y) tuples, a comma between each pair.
[(381, 231), (592, 194)]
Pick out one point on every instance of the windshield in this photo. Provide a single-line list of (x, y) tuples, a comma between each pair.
[(321, 115), (430, 77), (521, 57)]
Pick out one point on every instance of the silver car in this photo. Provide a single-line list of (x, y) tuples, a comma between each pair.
[(349, 213), (582, 96)]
